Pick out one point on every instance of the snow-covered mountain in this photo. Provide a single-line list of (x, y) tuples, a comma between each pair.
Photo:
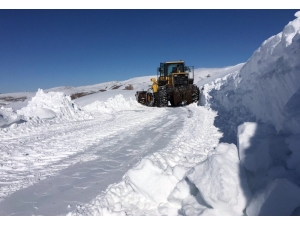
[(99, 152)]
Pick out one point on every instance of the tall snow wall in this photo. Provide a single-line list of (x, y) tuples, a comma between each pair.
[(268, 85)]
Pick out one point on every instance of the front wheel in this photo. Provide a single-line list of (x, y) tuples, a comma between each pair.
[(162, 100)]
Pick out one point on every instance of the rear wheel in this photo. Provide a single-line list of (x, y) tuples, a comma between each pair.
[(141, 97), (196, 93), (150, 97), (172, 101)]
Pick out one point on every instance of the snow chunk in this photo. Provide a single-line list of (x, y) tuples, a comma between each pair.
[(180, 192), (221, 181), (113, 104), (279, 198), (297, 14), (179, 172), (53, 105), (8, 116), (253, 147), (43, 113), (154, 183)]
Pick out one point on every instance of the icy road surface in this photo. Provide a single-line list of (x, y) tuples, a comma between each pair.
[(55, 168)]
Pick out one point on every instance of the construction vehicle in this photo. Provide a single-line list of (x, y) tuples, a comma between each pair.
[(174, 85)]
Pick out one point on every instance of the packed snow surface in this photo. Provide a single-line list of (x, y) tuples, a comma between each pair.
[(234, 153)]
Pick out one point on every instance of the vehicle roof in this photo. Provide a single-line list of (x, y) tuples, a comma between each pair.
[(174, 62)]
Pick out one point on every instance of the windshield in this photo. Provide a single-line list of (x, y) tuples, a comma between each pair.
[(175, 68)]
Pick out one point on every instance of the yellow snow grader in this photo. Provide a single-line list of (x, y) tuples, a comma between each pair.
[(174, 84)]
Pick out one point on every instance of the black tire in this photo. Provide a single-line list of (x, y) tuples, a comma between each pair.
[(176, 97), (155, 99), (150, 98), (172, 102), (196, 93), (162, 100)]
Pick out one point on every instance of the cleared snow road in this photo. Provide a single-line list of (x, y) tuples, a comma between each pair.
[(146, 187), (79, 159)]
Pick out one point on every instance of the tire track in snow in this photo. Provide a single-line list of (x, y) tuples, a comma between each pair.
[(44, 149)]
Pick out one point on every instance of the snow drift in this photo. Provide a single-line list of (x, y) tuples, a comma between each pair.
[(279, 198), (258, 108), (112, 104), (52, 105), (267, 86)]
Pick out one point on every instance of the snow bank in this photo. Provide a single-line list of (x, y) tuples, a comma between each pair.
[(272, 169), (152, 181), (52, 105), (258, 108), (279, 198), (201, 74), (268, 85), (113, 104), (253, 147), (221, 182)]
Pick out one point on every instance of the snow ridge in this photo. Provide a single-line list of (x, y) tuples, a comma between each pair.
[(271, 73), (113, 104), (52, 105)]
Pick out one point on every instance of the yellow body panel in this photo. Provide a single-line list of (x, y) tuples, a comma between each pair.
[(154, 85)]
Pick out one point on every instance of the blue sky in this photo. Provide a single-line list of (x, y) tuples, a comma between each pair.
[(50, 48)]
